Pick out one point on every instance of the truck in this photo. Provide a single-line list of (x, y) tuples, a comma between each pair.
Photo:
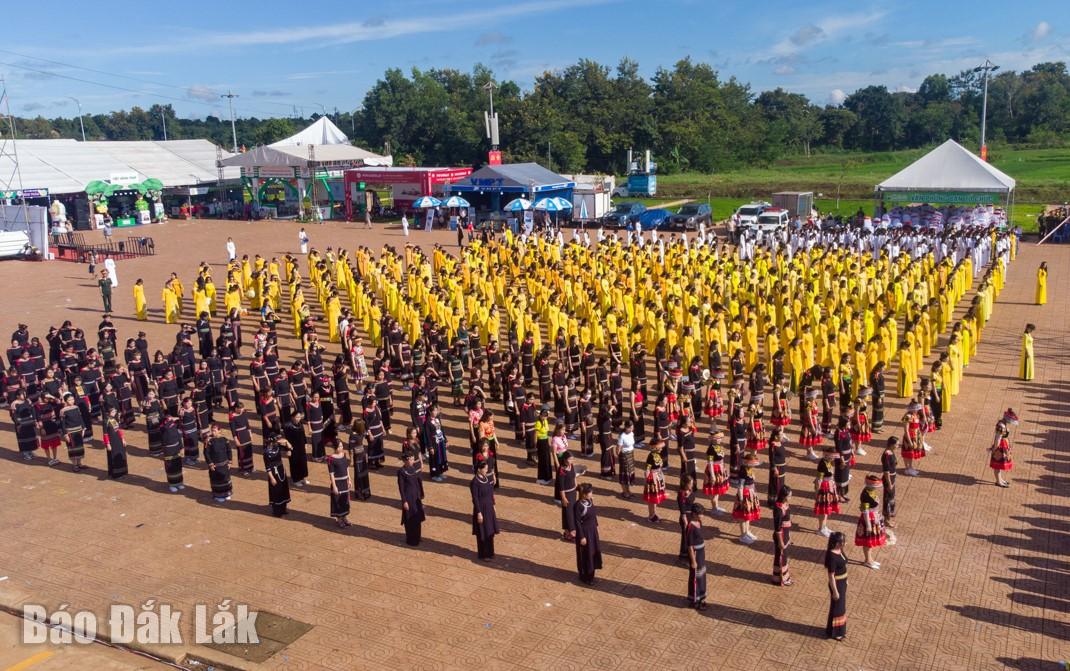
[(641, 178), (797, 203)]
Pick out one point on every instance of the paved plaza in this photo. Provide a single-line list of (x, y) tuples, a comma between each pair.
[(979, 579)]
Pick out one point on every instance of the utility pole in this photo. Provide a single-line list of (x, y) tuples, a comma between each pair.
[(233, 129), (163, 118), (82, 125), (986, 67)]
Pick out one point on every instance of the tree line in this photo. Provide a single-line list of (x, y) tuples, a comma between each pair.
[(586, 116)]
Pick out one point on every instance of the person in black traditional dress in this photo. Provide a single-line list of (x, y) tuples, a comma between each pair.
[(153, 411), (278, 487), (782, 537), (870, 533), (358, 454), (315, 414), (74, 431), (294, 431), (826, 502), (588, 550), (778, 464), (836, 565), (338, 469), (187, 424), (696, 556), (171, 440), (876, 383), (411, 491), (685, 499), (566, 492), (115, 445), (217, 452), (243, 437), (373, 419), (24, 415), (888, 466), (484, 520), (51, 426), (433, 438)]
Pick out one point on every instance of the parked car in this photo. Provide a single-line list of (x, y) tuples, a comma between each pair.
[(747, 215), (690, 216), (654, 219), (770, 220), (622, 214)]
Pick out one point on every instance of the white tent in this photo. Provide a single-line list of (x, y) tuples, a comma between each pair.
[(322, 131), (66, 166), (314, 156), (951, 170)]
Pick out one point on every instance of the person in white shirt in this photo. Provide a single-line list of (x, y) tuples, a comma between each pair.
[(405, 225), (302, 238), (232, 250)]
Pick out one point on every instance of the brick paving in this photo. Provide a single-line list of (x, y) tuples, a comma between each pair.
[(979, 579)]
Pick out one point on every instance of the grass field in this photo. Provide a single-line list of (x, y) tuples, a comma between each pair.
[(1043, 176)]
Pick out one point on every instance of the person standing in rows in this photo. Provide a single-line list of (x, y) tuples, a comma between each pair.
[(74, 431), (484, 519), (115, 445), (278, 487), (696, 556), (566, 493), (685, 499), (588, 550), (888, 466), (171, 441), (715, 483), (217, 452), (869, 534), (782, 537), (654, 490), (436, 444), (746, 508), (826, 502), (836, 567), (625, 457), (338, 470), (411, 492)]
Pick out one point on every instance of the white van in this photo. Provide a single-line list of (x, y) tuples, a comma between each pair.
[(772, 219)]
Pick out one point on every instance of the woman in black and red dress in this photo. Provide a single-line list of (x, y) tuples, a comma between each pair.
[(746, 508), (810, 437), (869, 533), (861, 432), (756, 439), (715, 482), (1000, 460), (654, 491), (781, 537), (781, 411), (836, 565), (825, 500), (912, 448)]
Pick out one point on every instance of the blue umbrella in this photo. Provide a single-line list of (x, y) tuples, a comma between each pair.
[(551, 205), (455, 201), (517, 205), (563, 203), (426, 201)]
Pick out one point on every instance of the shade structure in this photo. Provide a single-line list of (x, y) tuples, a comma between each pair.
[(426, 201), (552, 205), (455, 201), (517, 205), (949, 173)]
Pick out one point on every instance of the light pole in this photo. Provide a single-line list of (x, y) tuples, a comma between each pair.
[(986, 67), (233, 129), (80, 124), (163, 118)]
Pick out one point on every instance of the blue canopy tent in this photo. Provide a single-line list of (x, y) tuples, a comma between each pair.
[(491, 186)]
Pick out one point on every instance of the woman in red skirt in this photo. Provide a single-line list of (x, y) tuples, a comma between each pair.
[(810, 436), (755, 429), (1000, 461), (826, 502), (746, 508), (911, 448), (861, 432), (870, 531), (781, 411), (654, 491), (714, 406), (715, 481)]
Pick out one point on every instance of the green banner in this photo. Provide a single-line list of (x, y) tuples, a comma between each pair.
[(952, 197)]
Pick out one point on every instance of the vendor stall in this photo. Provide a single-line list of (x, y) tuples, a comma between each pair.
[(491, 187), (406, 185)]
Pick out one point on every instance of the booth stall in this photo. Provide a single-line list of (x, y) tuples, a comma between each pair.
[(406, 185), (490, 188)]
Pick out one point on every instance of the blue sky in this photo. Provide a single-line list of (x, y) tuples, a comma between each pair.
[(278, 55)]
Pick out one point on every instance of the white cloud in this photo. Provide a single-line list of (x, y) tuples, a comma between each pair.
[(1042, 30), (202, 92), (822, 31), (837, 96), (903, 88), (784, 70)]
